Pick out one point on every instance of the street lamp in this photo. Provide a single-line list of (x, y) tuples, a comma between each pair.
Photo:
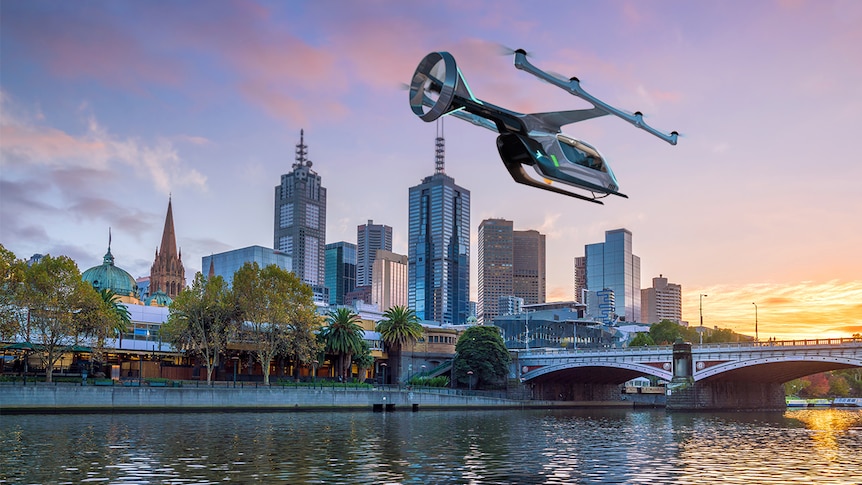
[(470, 379), (701, 317), (235, 359), (755, 322)]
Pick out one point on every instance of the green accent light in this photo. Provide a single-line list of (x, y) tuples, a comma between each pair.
[(554, 158)]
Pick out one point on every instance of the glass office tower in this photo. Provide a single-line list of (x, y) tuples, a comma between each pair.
[(611, 265), (340, 270), (438, 252)]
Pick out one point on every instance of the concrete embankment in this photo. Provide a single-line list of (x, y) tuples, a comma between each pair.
[(87, 399)]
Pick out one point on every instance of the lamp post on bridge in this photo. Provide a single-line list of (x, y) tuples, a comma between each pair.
[(701, 318), (755, 322)]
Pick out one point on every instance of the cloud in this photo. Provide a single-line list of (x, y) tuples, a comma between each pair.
[(36, 147), (800, 310)]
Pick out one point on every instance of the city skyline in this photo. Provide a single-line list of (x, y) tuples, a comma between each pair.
[(111, 109)]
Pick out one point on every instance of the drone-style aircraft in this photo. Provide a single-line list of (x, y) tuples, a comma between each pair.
[(526, 139)]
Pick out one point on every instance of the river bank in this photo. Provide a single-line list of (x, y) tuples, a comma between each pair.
[(69, 398)]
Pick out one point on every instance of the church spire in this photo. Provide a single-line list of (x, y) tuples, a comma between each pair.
[(169, 237), (167, 273)]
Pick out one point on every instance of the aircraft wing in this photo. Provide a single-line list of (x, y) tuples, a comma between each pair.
[(475, 119), (554, 120)]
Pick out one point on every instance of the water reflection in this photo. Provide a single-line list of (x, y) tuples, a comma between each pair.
[(553, 447)]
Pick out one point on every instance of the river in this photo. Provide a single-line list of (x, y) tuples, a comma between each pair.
[(819, 446)]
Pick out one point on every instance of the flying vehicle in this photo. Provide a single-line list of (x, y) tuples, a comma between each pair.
[(535, 139)]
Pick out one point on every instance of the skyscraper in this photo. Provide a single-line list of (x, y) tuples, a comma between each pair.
[(661, 302), (511, 264), (580, 279), (495, 267), (300, 218), (528, 266), (438, 251), (611, 265), (340, 271), (167, 273), (389, 280), (369, 238)]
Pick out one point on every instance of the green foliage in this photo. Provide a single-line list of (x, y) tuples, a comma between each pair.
[(837, 383), (398, 327), (425, 381), (342, 337), (11, 276), (201, 318), (665, 332), (641, 339), (274, 305), (61, 309), (481, 349)]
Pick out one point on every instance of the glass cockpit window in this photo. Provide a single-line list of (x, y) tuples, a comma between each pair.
[(581, 153)]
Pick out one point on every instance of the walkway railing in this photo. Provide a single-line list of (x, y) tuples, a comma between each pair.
[(668, 348)]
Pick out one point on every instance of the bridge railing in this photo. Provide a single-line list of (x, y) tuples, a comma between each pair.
[(550, 352), (782, 343)]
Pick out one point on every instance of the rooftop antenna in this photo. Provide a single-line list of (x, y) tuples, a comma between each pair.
[(302, 152), (439, 149)]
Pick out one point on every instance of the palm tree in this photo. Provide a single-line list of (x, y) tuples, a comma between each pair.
[(124, 318), (342, 337), (399, 326)]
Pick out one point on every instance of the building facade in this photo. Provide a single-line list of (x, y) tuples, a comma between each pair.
[(528, 266), (227, 263), (389, 280), (369, 238), (167, 273), (612, 266), (663, 301), (438, 253), (495, 247), (340, 270), (580, 279), (300, 219), (511, 263)]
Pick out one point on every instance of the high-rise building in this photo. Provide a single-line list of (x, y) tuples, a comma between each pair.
[(580, 279), (227, 263), (511, 263), (611, 265), (340, 271), (528, 266), (300, 219), (167, 273), (438, 252), (495, 266), (389, 280), (369, 238), (661, 302)]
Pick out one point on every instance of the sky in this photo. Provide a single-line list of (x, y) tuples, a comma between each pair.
[(107, 109)]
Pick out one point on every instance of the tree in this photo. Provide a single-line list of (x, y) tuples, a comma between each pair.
[(641, 339), (665, 332), (200, 319), (302, 346), (11, 276), (272, 303), (399, 326), (481, 349), (363, 359), (123, 322), (342, 338), (60, 308)]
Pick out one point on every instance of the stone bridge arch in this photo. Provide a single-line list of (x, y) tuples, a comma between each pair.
[(778, 369), (595, 372)]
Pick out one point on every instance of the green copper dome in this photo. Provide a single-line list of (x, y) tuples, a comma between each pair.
[(159, 298), (108, 276)]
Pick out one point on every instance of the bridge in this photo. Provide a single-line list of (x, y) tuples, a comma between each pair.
[(748, 375)]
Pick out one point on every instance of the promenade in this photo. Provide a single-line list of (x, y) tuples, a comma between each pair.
[(71, 398)]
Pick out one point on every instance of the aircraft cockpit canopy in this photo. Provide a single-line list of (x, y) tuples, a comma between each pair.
[(579, 152)]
